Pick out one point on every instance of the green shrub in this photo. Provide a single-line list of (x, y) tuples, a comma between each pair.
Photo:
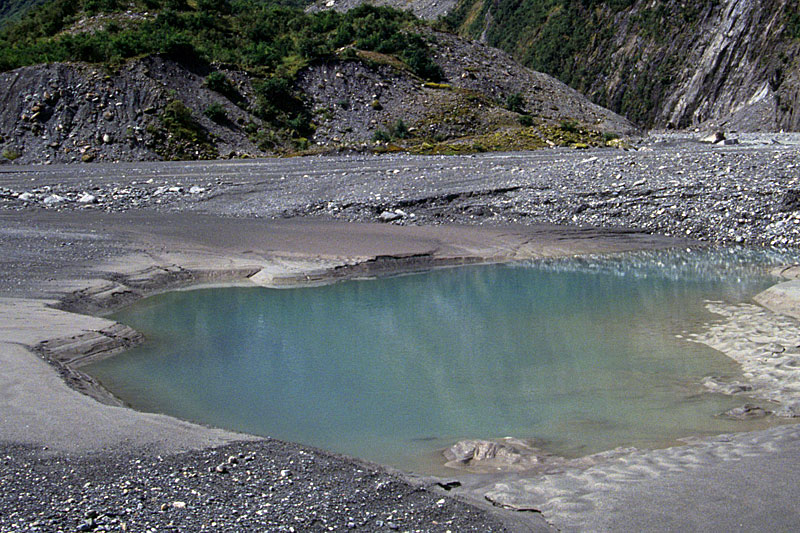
[(569, 125), (399, 130), (526, 120), (216, 112), (793, 25), (11, 154), (516, 103), (177, 120), (219, 83), (382, 136)]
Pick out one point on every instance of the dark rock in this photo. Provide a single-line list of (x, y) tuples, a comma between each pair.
[(746, 412), (790, 201)]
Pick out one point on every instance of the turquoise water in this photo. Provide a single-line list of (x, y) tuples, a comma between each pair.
[(581, 354)]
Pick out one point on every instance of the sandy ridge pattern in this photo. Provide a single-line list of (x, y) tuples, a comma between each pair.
[(765, 344), (577, 498)]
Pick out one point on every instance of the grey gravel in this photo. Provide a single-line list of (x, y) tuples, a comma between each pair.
[(268, 486), (672, 185)]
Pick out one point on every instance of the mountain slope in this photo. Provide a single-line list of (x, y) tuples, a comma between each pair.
[(677, 64), (13, 9), (257, 79)]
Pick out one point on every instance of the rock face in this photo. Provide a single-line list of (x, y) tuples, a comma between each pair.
[(731, 64), (80, 113)]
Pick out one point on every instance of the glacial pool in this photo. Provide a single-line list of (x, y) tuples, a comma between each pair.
[(583, 355)]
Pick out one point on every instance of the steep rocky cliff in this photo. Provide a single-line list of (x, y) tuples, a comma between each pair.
[(725, 63)]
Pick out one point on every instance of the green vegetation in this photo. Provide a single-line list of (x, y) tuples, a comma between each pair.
[(272, 40), (528, 138), (516, 103), (793, 20), (257, 35), (13, 9), (181, 136), (218, 82), (570, 126), (11, 154), (399, 130), (216, 112)]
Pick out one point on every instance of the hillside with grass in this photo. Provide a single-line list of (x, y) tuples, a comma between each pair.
[(166, 79)]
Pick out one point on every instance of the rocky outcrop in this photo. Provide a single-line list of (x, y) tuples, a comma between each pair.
[(731, 64), (503, 455), (65, 112), (352, 99)]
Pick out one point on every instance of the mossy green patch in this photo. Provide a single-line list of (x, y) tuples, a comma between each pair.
[(181, 136)]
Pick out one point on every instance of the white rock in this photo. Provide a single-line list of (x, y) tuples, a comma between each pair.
[(26, 196), (389, 216), (175, 189), (87, 198), (196, 190), (106, 138), (53, 199)]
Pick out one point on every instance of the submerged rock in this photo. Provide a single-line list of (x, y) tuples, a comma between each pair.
[(715, 384), (746, 412), (504, 455), (791, 410)]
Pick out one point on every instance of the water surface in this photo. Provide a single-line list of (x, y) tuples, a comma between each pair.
[(584, 355)]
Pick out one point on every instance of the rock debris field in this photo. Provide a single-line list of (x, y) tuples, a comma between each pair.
[(748, 193), (262, 486)]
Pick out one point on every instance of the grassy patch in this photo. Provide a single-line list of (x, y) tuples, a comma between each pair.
[(181, 136), (11, 154)]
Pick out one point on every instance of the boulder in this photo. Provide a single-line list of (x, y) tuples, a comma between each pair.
[(746, 412), (508, 454)]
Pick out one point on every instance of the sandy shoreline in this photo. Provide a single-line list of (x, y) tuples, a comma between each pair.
[(64, 270), (154, 253)]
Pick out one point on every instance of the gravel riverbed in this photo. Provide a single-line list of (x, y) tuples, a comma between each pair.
[(747, 193)]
